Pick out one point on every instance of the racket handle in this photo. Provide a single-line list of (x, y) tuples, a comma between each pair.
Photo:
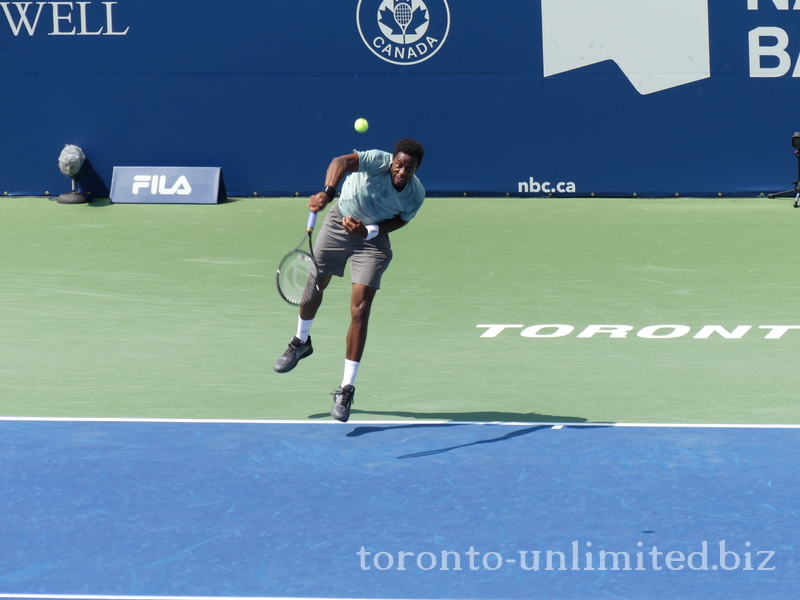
[(312, 220)]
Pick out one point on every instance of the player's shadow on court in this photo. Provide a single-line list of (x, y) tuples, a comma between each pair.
[(369, 429), (460, 419), (489, 416), (502, 438)]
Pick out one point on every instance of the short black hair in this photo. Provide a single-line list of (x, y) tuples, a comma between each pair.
[(411, 147)]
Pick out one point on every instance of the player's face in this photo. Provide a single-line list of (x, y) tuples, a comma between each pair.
[(402, 170)]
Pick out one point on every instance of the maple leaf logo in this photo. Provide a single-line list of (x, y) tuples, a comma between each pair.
[(401, 20), (407, 32), (387, 18), (418, 18)]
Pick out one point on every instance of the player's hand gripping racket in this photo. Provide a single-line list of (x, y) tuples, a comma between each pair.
[(298, 273)]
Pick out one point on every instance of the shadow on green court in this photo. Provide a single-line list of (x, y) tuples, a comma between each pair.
[(480, 416)]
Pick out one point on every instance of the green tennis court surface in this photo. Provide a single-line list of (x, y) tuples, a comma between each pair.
[(171, 312)]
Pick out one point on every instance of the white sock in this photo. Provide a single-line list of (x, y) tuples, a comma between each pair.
[(350, 372), (303, 328)]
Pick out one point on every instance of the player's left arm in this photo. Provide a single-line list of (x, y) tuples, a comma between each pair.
[(392, 224), (357, 228)]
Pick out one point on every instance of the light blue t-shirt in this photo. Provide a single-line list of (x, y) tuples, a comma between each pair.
[(369, 196)]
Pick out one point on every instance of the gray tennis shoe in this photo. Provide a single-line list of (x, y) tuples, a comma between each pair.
[(342, 400), (296, 351)]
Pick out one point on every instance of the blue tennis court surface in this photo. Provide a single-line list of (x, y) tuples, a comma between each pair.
[(138, 509)]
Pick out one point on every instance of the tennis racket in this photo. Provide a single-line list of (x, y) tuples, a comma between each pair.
[(298, 274)]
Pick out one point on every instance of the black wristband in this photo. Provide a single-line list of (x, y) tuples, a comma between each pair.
[(329, 191)]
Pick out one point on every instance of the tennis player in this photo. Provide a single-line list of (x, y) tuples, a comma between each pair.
[(381, 195)]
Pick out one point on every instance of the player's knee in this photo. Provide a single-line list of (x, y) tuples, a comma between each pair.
[(360, 310), (360, 306)]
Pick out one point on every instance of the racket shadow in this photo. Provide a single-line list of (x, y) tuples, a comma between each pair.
[(369, 429), (502, 438)]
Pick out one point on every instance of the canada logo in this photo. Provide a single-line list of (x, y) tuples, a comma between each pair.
[(403, 32)]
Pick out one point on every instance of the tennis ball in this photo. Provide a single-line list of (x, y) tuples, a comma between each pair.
[(361, 125)]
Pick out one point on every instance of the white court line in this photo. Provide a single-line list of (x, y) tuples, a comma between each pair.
[(96, 597), (554, 424), (73, 597)]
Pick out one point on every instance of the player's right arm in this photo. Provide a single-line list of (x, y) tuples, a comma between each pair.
[(339, 167)]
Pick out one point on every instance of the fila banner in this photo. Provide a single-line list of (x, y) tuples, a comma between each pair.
[(547, 97), (167, 185)]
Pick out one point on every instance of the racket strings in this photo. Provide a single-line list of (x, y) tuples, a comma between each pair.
[(297, 278)]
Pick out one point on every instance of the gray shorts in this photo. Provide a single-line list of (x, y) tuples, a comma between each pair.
[(334, 246)]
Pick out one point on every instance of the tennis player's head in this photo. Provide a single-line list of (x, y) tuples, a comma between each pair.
[(410, 147), (406, 159)]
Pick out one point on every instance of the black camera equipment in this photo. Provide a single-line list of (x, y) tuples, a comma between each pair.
[(796, 189)]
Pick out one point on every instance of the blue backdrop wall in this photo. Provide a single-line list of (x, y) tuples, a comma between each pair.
[(572, 97)]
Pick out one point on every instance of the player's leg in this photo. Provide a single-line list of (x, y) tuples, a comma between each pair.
[(361, 299), (331, 252), (368, 263), (300, 347), (309, 311)]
